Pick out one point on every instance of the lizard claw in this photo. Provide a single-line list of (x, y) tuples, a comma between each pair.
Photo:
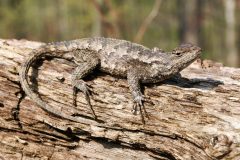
[(138, 104), (87, 92)]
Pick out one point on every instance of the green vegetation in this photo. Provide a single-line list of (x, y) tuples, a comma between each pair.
[(197, 21)]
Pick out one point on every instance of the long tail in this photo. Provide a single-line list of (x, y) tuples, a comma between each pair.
[(37, 54)]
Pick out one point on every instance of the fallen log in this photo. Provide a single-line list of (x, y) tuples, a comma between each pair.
[(195, 117)]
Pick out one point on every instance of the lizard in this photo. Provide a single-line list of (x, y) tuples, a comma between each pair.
[(135, 62)]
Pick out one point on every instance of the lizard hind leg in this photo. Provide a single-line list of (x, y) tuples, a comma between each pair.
[(80, 72)]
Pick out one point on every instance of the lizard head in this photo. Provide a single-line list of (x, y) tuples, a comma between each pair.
[(184, 55)]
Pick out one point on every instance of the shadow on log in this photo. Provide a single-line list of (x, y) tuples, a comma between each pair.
[(195, 117)]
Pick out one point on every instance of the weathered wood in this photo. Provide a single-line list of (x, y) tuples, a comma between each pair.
[(195, 118)]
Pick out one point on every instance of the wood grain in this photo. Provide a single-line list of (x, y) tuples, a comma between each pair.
[(196, 117)]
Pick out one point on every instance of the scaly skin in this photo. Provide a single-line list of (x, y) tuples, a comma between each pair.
[(135, 62)]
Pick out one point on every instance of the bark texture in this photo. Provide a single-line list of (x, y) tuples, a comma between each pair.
[(196, 117)]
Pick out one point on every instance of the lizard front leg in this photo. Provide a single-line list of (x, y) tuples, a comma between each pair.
[(80, 72), (134, 85)]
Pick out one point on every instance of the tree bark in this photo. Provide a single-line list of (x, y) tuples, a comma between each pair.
[(195, 117)]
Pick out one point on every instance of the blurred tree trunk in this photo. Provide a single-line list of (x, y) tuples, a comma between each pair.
[(108, 16), (190, 19), (61, 10), (148, 20), (97, 24), (232, 55)]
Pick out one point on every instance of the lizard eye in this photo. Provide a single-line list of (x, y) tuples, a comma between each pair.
[(178, 53)]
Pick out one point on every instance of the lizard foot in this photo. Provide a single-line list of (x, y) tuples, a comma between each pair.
[(87, 92), (138, 104)]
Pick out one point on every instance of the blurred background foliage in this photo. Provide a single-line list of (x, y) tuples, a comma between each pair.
[(212, 24)]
